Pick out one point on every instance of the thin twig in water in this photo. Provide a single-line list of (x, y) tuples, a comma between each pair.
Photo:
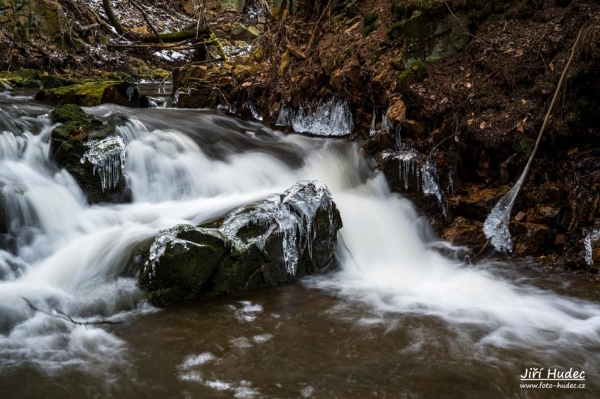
[(63, 316)]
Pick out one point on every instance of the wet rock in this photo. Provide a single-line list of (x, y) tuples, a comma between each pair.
[(268, 243), (547, 193), (413, 129), (477, 203), (72, 146), (410, 173), (396, 111), (548, 215), (180, 262), (402, 170), (93, 93), (433, 34), (529, 238), (465, 232), (245, 33)]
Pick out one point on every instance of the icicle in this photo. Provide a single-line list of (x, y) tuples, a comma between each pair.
[(373, 129), (253, 111), (398, 138), (430, 185), (495, 226), (590, 240), (285, 116), (108, 158), (385, 122)]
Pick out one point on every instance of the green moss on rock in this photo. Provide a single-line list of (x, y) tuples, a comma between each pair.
[(68, 113), (93, 93)]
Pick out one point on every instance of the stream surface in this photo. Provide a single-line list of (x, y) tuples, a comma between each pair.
[(398, 320)]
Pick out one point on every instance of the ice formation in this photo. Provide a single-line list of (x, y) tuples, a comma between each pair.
[(248, 105), (589, 241), (373, 129), (165, 238), (108, 158), (424, 172), (285, 116), (495, 226), (290, 215), (332, 118), (386, 125)]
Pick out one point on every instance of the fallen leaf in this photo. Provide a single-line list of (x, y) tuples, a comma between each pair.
[(470, 122), (520, 127), (246, 84), (518, 53), (468, 75)]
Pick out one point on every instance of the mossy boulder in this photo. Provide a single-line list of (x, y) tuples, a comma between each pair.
[(181, 261), (71, 140), (93, 93), (265, 244)]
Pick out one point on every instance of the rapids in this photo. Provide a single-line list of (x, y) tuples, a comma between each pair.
[(399, 319)]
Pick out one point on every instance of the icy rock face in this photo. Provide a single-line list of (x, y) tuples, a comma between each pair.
[(108, 158), (412, 173), (290, 216), (332, 118), (590, 239), (268, 243)]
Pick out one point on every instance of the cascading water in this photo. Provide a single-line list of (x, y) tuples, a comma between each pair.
[(189, 167)]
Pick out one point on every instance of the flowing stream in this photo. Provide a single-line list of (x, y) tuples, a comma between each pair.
[(402, 318)]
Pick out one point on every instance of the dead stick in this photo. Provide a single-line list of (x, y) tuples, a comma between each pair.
[(547, 117), (63, 316)]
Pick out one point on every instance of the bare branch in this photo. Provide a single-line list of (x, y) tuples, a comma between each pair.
[(63, 316)]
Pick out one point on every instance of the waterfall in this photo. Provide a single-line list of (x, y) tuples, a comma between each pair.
[(76, 258)]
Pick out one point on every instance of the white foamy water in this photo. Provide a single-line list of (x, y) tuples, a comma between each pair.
[(67, 255)]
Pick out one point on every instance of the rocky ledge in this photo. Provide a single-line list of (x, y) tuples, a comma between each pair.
[(269, 243)]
